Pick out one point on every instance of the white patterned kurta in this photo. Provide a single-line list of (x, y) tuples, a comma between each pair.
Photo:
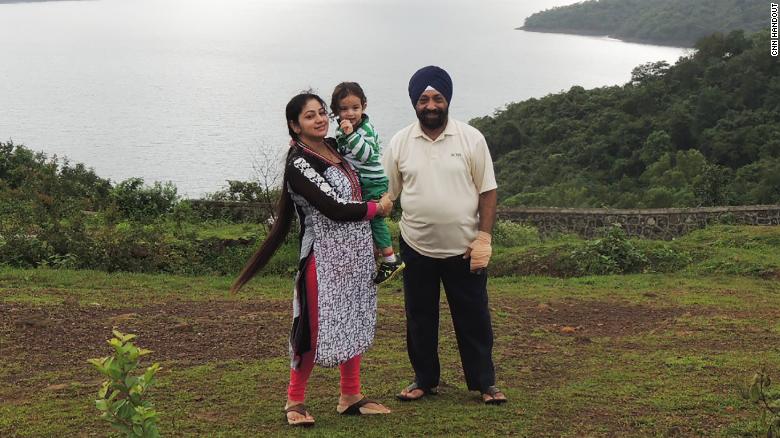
[(345, 263)]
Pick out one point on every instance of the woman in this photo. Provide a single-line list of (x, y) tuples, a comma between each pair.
[(334, 310)]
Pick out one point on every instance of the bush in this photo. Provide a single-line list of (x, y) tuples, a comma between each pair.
[(245, 191), (24, 250), (139, 202), (611, 254), (52, 183), (553, 261), (663, 257), (509, 234)]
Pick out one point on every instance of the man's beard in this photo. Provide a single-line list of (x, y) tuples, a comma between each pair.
[(432, 122)]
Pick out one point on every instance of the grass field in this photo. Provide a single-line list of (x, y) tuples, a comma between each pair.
[(632, 355)]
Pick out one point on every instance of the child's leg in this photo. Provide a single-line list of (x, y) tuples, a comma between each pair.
[(381, 235), (374, 189), (296, 391)]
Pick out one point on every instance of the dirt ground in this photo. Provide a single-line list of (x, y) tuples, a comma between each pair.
[(193, 331), (60, 337), (537, 342)]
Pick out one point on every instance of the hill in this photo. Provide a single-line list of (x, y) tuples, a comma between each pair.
[(701, 132), (668, 22)]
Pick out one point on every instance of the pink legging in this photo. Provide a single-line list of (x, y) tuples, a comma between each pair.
[(350, 370)]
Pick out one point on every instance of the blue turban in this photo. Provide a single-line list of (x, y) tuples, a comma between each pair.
[(432, 76)]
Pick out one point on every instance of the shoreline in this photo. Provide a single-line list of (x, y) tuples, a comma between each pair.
[(577, 32)]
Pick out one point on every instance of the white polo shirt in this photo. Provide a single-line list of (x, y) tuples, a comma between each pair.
[(439, 182)]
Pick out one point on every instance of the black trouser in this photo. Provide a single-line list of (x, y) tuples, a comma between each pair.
[(467, 298)]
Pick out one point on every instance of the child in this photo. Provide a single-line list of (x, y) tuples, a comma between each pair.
[(358, 142)]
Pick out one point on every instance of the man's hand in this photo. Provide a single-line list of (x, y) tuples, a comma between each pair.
[(479, 251), (386, 204), (346, 126)]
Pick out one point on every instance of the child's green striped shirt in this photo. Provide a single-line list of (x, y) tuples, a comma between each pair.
[(362, 149)]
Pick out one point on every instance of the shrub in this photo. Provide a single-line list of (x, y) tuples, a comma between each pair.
[(24, 250), (663, 257), (55, 184), (613, 253), (554, 261), (245, 191), (144, 203), (508, 234), (121, 398)]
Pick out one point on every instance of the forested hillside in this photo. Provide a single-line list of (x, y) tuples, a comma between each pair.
[(701, 132), (671, 22)]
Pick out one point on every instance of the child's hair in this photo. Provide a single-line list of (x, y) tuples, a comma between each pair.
[(343, 90)]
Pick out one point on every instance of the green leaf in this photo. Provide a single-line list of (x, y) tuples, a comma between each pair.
[(117, 333), (114, 370), (138, 430), (150, 372), (131, 381), (125, 349), (101, 404), (119, 405), (104, 389), (98, 363)]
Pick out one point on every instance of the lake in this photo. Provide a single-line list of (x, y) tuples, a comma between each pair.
[(193, 91)]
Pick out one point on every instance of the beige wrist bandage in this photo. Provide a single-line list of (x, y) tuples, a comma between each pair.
[(481, 250)]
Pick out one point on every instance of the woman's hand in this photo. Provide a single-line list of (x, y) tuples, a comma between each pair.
[(386, 205), (346, 126)]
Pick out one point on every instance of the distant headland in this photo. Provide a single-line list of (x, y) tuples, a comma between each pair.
[(664, 22), (33, 1)]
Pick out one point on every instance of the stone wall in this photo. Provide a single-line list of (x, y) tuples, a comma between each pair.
[(662, 223), (234, 211)]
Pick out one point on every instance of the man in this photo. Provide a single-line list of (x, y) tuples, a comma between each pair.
[(443, 172)]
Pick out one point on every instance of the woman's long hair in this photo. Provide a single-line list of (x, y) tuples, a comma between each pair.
[(284, 208)]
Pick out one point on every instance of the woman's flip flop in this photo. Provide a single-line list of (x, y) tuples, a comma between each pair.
[(300, 408), (359, 408)]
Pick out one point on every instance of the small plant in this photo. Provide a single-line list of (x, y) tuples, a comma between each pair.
[(768, 402), (57, 261), (121, 397)]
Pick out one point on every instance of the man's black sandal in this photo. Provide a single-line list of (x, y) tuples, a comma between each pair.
[(412, 387), (492, 391)]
